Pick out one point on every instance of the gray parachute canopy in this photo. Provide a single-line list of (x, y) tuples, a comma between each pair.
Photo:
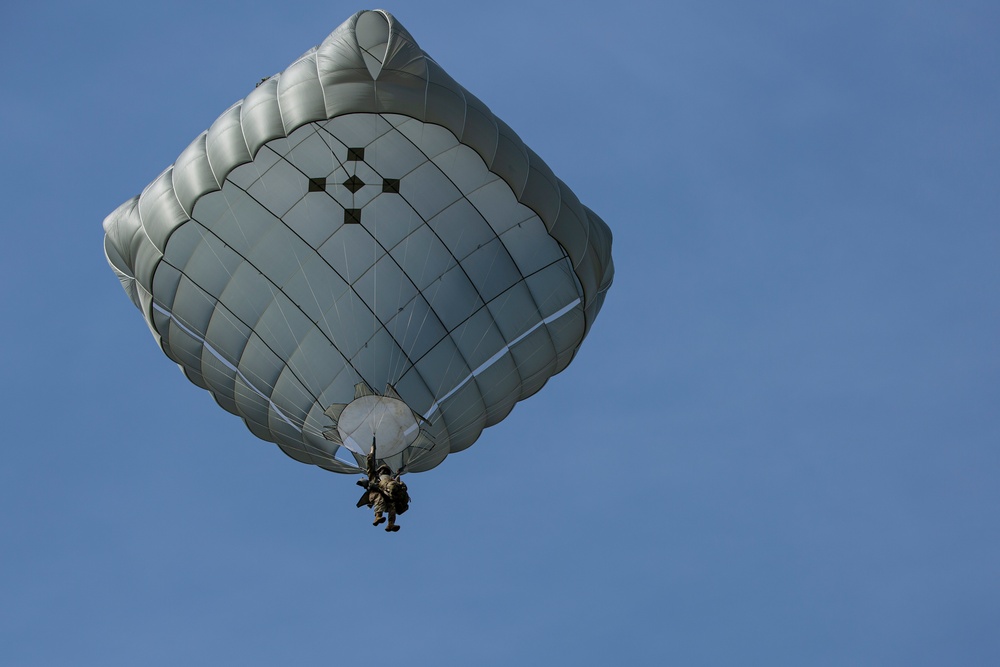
[(359, 248)]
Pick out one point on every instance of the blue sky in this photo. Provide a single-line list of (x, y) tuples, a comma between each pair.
[(778, 445)]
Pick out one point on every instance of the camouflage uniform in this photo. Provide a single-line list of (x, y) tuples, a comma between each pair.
[(384, 492)]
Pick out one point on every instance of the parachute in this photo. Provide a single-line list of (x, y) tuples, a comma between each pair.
[(359, 249)]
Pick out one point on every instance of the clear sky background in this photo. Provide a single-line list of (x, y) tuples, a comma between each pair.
[(779, 445)]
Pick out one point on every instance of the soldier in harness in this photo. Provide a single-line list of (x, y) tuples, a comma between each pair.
[(385, 492)]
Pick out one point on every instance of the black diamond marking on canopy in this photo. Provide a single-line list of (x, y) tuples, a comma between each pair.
[(317, 184), (390, 185), (354, 184), (352, 216), (355, 154)]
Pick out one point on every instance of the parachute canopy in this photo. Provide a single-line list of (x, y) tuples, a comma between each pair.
[(360, 248)]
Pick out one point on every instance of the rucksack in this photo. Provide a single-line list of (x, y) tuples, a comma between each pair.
[(399, 496)]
